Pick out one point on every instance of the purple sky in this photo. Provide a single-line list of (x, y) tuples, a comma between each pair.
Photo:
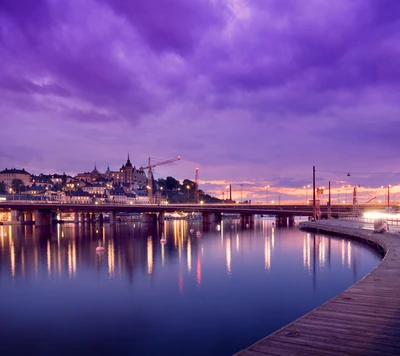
[(251, 92)]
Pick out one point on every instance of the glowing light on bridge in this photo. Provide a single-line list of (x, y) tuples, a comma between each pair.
[(380, 215)]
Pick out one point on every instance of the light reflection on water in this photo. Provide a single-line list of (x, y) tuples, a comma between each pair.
[(213, 294)]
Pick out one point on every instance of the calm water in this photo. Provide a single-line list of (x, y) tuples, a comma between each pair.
[(212, 295)]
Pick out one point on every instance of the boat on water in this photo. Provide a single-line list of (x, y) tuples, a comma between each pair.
[(163, 240)]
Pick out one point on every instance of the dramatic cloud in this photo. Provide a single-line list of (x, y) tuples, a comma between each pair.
[(251, 92)]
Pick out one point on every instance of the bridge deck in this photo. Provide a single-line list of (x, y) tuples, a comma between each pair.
[(363, 320)]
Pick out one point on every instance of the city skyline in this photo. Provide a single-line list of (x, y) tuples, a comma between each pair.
[(253, 93)]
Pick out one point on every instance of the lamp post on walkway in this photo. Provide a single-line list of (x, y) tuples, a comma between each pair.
[(306, 188), (346, 188), (241, 195)]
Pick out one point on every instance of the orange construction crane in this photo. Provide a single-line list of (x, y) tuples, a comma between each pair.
[(196, 187), (150, 167)]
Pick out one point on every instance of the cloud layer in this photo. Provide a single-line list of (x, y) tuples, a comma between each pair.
[(253, 92)]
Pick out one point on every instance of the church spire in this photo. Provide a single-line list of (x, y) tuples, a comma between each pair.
[(128, 162)]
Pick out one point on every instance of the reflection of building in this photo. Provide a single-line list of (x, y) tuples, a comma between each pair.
[(7, 176)]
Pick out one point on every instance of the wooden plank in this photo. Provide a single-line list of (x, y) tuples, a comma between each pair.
[(347, 334), (366, 324), (284, 349), (338, 324), (330, 341)]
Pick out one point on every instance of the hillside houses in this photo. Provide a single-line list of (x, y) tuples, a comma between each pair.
[(128, 185)]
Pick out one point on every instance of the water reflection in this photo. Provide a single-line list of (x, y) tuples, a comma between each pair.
[(68, 248), (190, 274)]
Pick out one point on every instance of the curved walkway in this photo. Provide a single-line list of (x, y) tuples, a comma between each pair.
[(363, 320)]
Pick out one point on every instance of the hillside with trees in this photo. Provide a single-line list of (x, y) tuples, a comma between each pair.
[(176, 192)]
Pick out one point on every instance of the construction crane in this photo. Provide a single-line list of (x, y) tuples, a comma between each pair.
[(196, 187), (150, 167)]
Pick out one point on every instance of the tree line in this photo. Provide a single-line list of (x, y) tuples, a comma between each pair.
[(185, 192)]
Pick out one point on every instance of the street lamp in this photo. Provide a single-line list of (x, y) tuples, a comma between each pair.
[(241, 195), (306, 188), (346, 188), (266, 187), (188, 187)]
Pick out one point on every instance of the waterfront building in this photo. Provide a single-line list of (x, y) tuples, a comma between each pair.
[(7, 176), (128, 175), (142, 196), (96, 189), (41, 180), (78, 197), (118, 196), (89, 176)]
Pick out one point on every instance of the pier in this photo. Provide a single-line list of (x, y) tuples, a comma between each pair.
[(363, 320)]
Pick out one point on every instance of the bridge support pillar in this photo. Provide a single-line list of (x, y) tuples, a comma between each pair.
[(149, 218), (161, 217), (209, 218), (14, 216), (88, 218), (21, 217), (42, 218), (76, 218), (112, 218), (291, 220), (247, 219), (82, 218), (281, 220), (28, 217), (101, 218)]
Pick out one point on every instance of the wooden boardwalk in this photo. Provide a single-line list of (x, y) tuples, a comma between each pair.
[(363, 320)]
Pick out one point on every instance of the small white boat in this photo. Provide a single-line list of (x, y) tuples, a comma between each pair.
[(198, 234), (163, 240)]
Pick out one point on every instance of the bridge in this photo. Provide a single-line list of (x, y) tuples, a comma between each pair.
[(43, 213)]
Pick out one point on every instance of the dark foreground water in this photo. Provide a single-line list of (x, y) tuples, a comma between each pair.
[(208, 295)]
